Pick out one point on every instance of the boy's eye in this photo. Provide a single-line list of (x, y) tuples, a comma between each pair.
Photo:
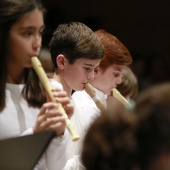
[(96, 69), (117, 75), (87, 69)]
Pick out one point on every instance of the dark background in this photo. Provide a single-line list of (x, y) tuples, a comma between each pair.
[(142, 26)]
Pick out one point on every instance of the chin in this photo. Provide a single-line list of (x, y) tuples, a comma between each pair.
[(107, 92), (79, 89)]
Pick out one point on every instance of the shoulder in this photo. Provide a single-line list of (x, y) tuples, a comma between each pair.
[(56, 84), (80, 95), (83, 99)]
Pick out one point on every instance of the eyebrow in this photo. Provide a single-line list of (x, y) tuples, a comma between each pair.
[(118, 68), (86, 64), (31, 27)]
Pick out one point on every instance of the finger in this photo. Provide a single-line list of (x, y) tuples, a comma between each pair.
[(54, 123), (44, 110), (64, 101), (53, 120), (49, 121), (56, 89), (53, 113), (69, 109), (60, 94), (59, 128)]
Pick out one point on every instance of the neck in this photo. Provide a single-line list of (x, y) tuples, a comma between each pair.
[(59, 78), (15, 76)]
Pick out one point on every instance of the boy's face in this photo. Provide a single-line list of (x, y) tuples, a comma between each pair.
[(108, 79), (76, 75)]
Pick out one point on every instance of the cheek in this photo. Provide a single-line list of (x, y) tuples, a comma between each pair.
[(72, 74), (80, 75), (110, 83), (13, 49), (17, 45), (107, 77)]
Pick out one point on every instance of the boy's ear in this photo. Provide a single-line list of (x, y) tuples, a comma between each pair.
[(61, 61)]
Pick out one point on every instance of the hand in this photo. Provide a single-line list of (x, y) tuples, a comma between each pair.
[(62, 97), (50, 118)]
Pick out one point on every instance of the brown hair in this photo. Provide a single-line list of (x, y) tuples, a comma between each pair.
[(131, 140), (129, 84), (10, 13), (75, 40), (153, 132), (109, 140)]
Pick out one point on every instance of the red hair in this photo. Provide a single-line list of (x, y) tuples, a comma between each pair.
[(114, 51)]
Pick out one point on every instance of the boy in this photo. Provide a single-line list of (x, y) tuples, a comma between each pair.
[(76, 52), (108, 74)]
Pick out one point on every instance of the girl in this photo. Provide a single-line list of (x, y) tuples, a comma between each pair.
[(23, 105)]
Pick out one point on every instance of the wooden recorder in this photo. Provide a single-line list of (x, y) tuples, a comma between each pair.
[(89, 89)]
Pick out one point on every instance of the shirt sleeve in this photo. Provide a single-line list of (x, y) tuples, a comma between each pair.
[(57, 153), (74, 164), (56, 84), (27, 132)]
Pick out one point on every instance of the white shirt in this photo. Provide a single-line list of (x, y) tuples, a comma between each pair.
[(18, 118), (88, 105), (79, 125), (85, 113)]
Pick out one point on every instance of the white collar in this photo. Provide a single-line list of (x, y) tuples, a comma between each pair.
[(100, 94)]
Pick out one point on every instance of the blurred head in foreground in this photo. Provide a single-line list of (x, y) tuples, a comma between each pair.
[(126, 140)]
